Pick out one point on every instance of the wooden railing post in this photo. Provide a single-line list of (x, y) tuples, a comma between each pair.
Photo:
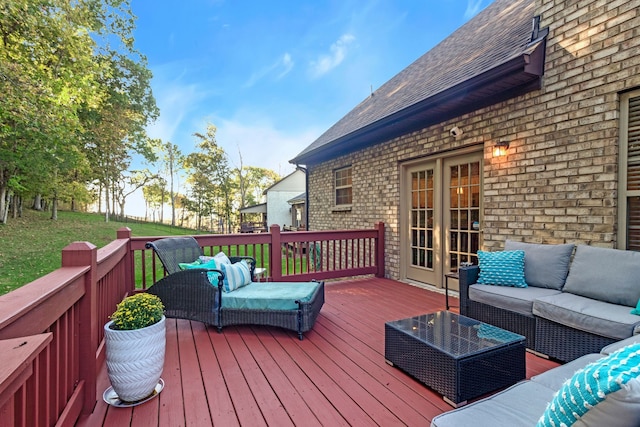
[(380, 250), (130, 283), (75, 255), (275, 254)]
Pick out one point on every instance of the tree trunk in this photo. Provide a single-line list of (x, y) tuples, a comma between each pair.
[(37, 202), (162, 206), (15, 206), (106, 202), (54, 208), (4, 206)]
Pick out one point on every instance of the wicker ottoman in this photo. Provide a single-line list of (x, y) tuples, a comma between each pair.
[(459, 357)]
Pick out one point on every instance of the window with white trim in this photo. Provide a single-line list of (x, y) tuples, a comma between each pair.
[(629, 172), (343, 186)]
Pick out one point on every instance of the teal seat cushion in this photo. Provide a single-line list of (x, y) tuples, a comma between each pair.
[(270, 295)]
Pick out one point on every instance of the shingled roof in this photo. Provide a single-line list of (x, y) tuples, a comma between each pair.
[(495, 56)]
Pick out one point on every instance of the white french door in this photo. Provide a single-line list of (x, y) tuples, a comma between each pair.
[(442, 216)]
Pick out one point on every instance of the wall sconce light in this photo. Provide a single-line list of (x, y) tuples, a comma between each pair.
[(500, 149)]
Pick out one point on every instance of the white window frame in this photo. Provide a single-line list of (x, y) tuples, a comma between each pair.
[(342, 186)]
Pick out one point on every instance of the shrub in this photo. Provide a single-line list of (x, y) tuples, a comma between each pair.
[(137, 311)]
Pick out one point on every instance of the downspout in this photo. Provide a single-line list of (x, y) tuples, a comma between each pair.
[(306, 195)]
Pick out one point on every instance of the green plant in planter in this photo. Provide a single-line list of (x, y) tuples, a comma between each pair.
[(137, 311)]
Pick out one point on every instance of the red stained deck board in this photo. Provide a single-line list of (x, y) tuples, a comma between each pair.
[(246, 407), (336, 392), (408, 388), (346, 375), (255, 375), (291, 400), (372, 379), (220, 405), (267, 400), (146, 415), (171, 409), (195, 399), (401, 394), (302, 383)]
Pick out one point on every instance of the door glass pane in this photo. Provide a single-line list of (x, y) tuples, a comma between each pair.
[(464, 191), (454, 219), (422, 206)]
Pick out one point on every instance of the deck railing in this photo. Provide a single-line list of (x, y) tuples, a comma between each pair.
[(285, 256), (51, 330)]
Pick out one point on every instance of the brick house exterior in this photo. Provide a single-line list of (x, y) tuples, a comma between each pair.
[(559, 181)]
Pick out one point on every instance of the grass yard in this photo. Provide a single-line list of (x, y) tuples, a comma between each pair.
[(31, 246)]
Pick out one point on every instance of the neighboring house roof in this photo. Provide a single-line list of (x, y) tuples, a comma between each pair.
[(283, 181), (260, 208), (301, 198), (493, 57)]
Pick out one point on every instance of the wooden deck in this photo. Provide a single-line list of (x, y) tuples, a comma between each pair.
[(255, 376)]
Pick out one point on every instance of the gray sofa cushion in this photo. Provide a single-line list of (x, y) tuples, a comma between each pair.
[(586, 314), (519, 405), (635, 339), (524, 403), (519, 300), (609, 275), (545, 266), (554, 378)]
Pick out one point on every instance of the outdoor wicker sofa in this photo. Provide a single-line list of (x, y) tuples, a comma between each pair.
[(571, 306), (189, 294), (578, 397)]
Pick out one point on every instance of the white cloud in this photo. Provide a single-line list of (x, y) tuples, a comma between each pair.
[(337, 53), (282, 66), (473, 7), (261, 143), (176, 101), (287, 65)]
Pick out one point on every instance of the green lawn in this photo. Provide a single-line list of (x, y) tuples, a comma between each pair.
[(31, 246)]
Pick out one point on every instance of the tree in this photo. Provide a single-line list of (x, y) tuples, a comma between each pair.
[(46, 72), (71, 84), (210, 178), (172, 160), (155, 196), (128, 184), (117, 127), (253, 181)]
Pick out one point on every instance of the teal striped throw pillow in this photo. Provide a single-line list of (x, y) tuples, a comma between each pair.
[(504, 268), (235, 275), (590, 386)]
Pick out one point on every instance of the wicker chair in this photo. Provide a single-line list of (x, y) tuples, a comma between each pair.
[(188, 294)]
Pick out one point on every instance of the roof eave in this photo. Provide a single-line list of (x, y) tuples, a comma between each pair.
[(526, 70)]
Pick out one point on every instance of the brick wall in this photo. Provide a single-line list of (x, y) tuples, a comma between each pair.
[(558, 182)]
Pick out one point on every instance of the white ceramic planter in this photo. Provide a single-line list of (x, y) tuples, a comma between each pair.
[(135, 359)]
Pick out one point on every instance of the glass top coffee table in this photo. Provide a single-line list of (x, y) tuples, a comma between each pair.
[(459, 357)]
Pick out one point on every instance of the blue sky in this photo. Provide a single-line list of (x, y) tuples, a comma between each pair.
[(273, 76)]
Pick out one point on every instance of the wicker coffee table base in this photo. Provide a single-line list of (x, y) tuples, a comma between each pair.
[(456, 379)]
